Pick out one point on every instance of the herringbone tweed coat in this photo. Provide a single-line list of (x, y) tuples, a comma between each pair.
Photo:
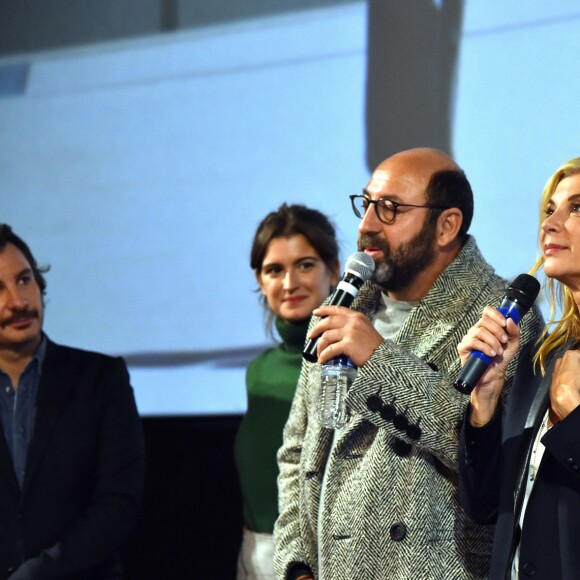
[(391, 510)]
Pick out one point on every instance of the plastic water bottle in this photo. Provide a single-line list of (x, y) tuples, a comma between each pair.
[(337, 376)]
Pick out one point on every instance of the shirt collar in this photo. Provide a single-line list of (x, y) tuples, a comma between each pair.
[(37, 359), (40, 353)]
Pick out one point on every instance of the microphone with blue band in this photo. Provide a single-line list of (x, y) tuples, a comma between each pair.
[(518, 299)]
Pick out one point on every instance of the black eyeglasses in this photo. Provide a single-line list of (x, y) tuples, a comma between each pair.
[(386, 209)]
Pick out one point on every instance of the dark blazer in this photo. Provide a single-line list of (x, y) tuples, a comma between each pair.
[(84, 473), (493, 471)]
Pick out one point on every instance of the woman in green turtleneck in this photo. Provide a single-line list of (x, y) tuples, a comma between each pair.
[(295, 258)]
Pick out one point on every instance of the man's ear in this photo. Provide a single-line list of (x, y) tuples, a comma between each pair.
[(448, 226)]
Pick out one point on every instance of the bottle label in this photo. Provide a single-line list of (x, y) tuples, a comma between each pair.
[(336, 378)]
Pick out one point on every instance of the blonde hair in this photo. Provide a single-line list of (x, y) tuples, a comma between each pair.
[(568, 326)]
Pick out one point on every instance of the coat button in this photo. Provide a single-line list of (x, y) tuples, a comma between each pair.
[(528, 569), (374, 402), (414, 432), (388, 412), (401, 422), (400, 447), (398, 531)]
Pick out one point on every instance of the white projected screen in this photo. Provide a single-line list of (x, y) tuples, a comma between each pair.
[(140, 170)]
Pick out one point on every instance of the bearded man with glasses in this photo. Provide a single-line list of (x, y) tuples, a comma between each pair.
[(377, 499)]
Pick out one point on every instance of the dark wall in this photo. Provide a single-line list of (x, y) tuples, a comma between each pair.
[(413, 49), (192, 517), (35, 25)]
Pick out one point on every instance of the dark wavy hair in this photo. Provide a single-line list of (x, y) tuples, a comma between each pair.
[(450, 188), (7, 236), (289, 220)]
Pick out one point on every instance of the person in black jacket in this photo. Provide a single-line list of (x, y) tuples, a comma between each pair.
[(71, 445), (520, 460)]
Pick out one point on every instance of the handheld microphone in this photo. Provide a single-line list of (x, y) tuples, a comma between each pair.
[(518, 299), (357, 270)]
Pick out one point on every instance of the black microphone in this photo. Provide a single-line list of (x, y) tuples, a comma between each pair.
[(357, 270), (518, 299)]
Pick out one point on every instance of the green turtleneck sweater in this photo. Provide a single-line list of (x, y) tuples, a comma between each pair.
[(271, 381)]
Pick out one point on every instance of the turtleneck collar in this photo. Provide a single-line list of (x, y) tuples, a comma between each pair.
[(293, 334)]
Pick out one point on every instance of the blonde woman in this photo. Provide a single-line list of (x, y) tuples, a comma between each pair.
[(520, 459)]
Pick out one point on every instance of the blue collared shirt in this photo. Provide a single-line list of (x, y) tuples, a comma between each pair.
[(18, 409)]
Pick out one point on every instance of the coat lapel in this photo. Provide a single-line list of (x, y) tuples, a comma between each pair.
[(533, 421), (52, 396), (540, 402)]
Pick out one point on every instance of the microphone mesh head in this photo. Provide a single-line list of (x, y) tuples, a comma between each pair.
[(524, 289), (361, 264)]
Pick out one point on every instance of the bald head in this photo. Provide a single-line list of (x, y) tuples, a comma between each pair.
[(416, 164), (429, 173)]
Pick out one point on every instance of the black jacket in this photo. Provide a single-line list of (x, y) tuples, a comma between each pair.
[(493, 471), (84, 472)]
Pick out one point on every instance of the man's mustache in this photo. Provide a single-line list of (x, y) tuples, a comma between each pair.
[(374, 241), (20, 315)]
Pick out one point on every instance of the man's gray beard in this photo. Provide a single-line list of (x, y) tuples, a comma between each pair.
[(382, 274)]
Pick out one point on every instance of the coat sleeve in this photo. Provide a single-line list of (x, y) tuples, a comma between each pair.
[(479, 468), (425, 408), (114, 501), (290, 531), (428, 410)]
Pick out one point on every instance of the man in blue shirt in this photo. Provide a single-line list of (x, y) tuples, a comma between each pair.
[(71, 447)]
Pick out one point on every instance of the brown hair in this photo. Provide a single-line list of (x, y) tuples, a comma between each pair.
[(289, 220), (7, 236)]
